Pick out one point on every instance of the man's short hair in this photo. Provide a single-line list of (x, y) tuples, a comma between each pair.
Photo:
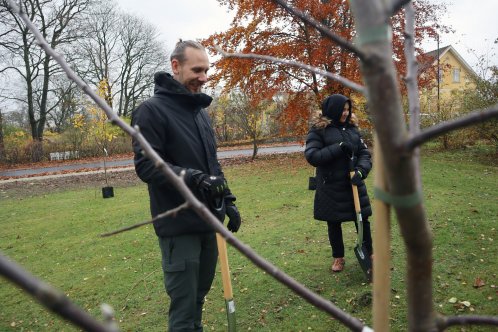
[(180, 47)]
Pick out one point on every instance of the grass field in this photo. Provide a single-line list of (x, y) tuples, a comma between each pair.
[(56, 237)]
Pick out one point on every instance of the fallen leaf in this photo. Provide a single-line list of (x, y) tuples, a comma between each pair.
[(478, 282), (466, 303), (452, 300)]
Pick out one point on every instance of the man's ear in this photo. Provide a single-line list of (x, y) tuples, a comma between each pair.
[(175, 66)]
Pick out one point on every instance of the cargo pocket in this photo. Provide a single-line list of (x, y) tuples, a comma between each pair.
[(174, 267)]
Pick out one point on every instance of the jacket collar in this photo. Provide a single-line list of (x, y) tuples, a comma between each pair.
[(165, 84)]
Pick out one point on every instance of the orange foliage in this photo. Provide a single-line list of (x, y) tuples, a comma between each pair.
[(261, 27)]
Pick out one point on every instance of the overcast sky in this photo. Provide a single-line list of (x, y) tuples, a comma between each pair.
[(474, 22)]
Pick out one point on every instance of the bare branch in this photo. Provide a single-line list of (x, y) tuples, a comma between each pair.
[(50, 297), (171, 212), (322, 28), (445, 322), (447, 126), (199, 208), (396, 6), (338, 78)]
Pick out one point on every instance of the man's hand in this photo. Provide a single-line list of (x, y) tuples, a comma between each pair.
[(213, 186), (234, 217)]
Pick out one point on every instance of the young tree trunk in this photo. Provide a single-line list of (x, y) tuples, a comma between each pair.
[(254, 147), (384, 98)]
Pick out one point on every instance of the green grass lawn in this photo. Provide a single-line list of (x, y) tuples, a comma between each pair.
[(56, 237)]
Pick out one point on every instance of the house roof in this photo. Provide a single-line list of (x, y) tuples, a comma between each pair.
[(442, 51)]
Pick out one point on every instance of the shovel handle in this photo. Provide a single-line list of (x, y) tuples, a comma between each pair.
[(225, 271), (356, 197)]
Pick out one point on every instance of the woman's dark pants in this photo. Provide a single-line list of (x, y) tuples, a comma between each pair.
[(337, 243)]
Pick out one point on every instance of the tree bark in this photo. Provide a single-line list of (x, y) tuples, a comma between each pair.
[(381, 81)]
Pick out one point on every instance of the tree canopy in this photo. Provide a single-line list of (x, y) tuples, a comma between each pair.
[(260, 27)]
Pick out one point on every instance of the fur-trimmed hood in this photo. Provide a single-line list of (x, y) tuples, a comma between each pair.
[(322, 121)]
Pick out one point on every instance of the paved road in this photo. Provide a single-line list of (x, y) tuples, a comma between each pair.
[(125, 163)]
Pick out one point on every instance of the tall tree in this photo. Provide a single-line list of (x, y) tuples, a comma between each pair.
[(262, 28), (142, 55), (68, 98), (122, 49), (58, 22)]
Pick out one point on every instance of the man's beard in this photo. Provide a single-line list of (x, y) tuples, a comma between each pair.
[(194, 86)]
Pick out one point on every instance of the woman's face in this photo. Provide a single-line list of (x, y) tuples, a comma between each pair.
[(345, 113)]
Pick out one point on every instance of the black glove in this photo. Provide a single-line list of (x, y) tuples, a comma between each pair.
[(213, 186), (357, 177), (347, 148), (233, 216)]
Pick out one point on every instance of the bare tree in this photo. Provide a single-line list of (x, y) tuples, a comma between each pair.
[(142, 55), (125, 51), (68, 97), (57, 21), (247, 115), (99, 48)]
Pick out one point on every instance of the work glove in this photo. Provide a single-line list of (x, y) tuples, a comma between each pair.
[(357, 177), (233, 216), (347, 148), (213, 186)]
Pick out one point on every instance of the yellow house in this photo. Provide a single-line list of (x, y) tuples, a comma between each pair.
[(453, 75)]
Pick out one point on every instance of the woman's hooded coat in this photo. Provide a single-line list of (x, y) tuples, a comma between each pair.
[(334, 196)]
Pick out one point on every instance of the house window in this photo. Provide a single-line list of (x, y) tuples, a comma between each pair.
[(456, 75)]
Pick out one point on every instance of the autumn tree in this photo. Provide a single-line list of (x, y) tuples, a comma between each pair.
[(397, 183), (248, 114), (261, 28), (98, 126)]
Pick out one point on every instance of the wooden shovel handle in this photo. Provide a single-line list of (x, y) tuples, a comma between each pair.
[(225, 271), (356, 197)]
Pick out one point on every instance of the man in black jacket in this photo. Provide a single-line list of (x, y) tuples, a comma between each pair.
[(176, 125)]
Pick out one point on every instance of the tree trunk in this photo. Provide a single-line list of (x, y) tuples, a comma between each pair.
[(254, 147), (381, 81)]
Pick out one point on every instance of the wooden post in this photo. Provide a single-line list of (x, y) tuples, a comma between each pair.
[(382, 250)]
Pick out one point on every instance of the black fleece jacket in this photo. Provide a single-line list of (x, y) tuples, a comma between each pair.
[(178, 128)]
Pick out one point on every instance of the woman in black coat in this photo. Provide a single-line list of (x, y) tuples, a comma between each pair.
[(331, 142)]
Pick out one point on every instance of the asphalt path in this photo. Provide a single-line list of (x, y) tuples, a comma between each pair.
[(128, 163)]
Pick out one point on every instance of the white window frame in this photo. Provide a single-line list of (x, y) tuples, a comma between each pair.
[(456, 75)]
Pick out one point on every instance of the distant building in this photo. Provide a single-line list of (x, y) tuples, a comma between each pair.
[(455, 75)]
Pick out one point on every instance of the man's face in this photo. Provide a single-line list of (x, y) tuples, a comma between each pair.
[(192, 73)]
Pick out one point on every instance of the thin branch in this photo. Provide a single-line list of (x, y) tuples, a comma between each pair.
[(202, 211), (396, 6), (444, 322), (350, 84), (168, 213), (322, 28), (50, 297), (447, 126)]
